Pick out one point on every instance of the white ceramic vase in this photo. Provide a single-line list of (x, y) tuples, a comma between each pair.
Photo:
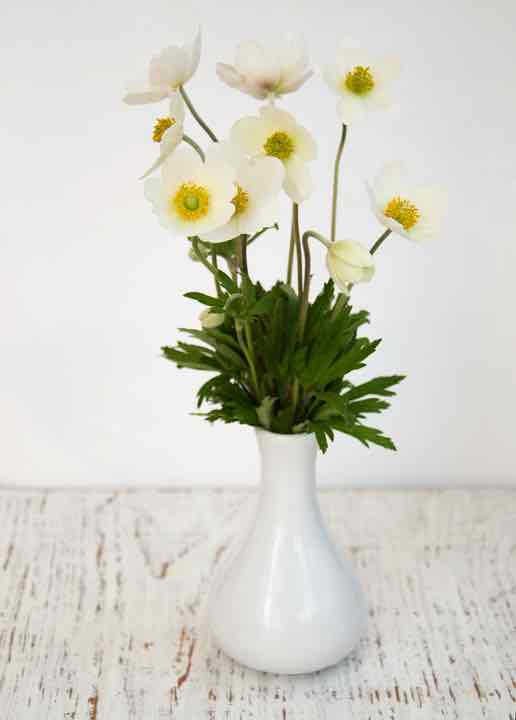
[(287, 602)]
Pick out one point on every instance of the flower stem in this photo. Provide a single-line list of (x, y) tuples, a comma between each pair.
[(212, 268), (232, 269), (297, 241), (214, 262), (295, 400), (291, 250), (248, 355), (317, 236), (250, 347), (245, 269), (260, 232), (380, 240), (336, 183), (196, 115), (196, 147), (306, 285), (239, 253)]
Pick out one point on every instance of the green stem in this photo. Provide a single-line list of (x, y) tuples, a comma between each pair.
[(306, 285), (239, 253), (295, 400), (260, 232), (232, 269), (380, 240), (291, 250), (318, 236), (214, 262), (244, 254), (297, 241), (196, 115), (248, 356), (202, 259), (250, 347), (336, 183), (196, 147)]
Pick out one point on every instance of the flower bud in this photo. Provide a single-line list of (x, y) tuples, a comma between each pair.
[(203, 249), (210, 319), (349, 262)]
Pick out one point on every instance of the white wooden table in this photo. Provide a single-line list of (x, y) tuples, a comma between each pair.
[(102, 605)]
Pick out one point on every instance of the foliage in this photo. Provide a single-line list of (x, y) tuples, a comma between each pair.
[(270, 371)]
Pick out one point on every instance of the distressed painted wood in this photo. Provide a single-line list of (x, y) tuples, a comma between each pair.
[(103, 596)]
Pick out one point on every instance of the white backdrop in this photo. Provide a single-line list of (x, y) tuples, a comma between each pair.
[(91, 285)]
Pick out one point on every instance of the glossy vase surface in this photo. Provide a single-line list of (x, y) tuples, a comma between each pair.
[(288, 602)]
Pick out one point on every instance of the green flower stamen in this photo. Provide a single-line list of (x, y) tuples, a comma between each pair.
[(191, 202)]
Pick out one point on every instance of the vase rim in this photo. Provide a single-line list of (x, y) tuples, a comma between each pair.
[(286, 436)]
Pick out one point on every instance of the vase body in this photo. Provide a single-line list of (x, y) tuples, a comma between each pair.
[(287, 602)]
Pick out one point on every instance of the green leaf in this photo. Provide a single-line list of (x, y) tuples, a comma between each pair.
[(321, 440), (365, 434), (333, 404), (377, 386), (351, 361), (212, 336), (227, 283), (368, 405), (205, 299), (184, 359), (263, 306), (302, 384), (224, 249), (232, 356)]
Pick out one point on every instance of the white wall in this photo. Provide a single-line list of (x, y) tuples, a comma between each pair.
[(90, 284)]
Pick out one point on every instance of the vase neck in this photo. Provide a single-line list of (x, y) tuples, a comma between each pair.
[(287, 466)]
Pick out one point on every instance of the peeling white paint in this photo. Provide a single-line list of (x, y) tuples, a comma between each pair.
[(102, 605)]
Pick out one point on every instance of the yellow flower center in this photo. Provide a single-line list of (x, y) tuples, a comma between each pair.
[(161, 126), (279, 145), (191, 202), (403, 211), (240, 201), (360, 80)]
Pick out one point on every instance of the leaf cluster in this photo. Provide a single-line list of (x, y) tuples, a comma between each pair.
[(267, 371)]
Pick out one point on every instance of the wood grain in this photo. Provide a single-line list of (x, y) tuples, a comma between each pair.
[(103, 596)]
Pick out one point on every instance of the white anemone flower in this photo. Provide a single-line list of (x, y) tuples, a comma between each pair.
[(349, 262), (361, 83), (268, 72), (408, 210), (275, 133), (192, 197), (168, 70), (168, 132), (257, 185)]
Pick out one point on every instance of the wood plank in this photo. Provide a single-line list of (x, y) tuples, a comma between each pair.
[(103, 598)]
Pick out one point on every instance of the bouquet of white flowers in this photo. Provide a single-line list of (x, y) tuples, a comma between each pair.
[(277, 359)]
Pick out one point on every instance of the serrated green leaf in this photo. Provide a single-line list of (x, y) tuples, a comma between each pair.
[(205, 299), (377, 386)]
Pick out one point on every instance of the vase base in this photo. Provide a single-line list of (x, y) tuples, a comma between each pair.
[(292, 667), (307, 650)]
